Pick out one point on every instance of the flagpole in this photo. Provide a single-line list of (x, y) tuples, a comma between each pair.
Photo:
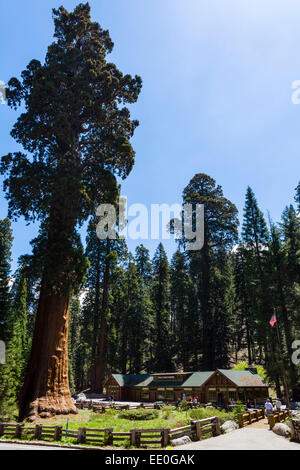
[(283, 367)]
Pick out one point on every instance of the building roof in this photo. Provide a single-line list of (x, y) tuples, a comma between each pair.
[(194, 379), (171, 373), (160, 383), (130, 380), (197, 379), (165, 379), (243, 378)]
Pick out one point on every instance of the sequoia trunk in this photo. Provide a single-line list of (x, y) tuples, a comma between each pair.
[(46, 388)]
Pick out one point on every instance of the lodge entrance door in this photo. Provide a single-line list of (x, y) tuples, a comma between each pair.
[(222, 399)]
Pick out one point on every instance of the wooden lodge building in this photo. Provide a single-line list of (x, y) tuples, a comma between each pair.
[(219, 387)]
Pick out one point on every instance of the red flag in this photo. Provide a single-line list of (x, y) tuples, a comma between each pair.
[(273, 319)]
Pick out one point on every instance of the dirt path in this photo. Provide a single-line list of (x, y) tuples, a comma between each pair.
[(261, 424)]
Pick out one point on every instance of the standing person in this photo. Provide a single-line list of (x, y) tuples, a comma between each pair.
[(278, 405), (268, 407)]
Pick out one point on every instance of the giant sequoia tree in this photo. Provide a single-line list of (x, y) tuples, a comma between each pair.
[(76, 134)]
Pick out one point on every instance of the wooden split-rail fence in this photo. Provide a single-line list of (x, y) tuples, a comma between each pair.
[(244, 419), (107, 437), (102, 407), (250, 417), (39, 432), (278, 417)]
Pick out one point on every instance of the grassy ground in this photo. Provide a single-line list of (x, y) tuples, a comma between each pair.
[(110, 419), (167, 419)]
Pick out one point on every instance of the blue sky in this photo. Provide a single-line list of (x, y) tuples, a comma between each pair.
[(216, 94)]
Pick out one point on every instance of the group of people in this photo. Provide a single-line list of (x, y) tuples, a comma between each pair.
[(193, 402), (271, 407)]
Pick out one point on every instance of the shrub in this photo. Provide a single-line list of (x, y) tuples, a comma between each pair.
[(138, 415), (167, 411), (202, 413), (183, 405), (198, 413), (127, 444), (238, 408), (111, 411)]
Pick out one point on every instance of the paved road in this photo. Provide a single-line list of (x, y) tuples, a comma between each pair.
[(244, 439), (4, 446)]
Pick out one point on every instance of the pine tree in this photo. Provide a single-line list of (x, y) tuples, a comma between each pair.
[(11, 374), (74, 344), (96, 251), (221, 307), (5, 260), (244, 323), (78, 132), (297, 196), (290, 227), (19, 314), (118, 309), (255, 241), (161, 305), (220, 231), (143, 262), (254, 230), (134, 318), (183, 320), (144, 270), (280, 295)]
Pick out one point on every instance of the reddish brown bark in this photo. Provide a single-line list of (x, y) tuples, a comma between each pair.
[(46, 388)]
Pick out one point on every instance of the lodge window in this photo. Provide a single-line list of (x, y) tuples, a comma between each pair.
[(165, 395), (212, 395), (169, 395), (232, 394), (112, 390), (144, 395)]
